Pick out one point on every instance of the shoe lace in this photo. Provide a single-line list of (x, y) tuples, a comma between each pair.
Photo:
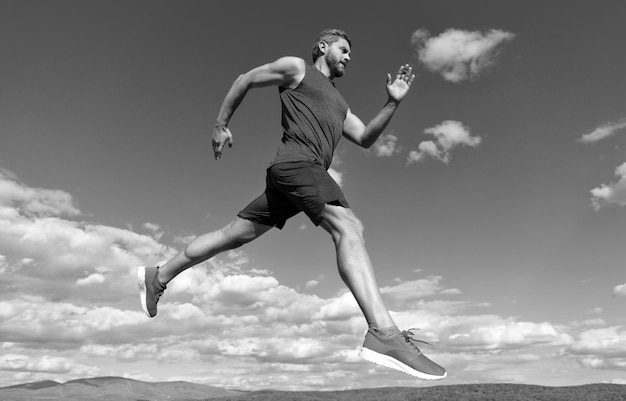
[(159, 289), (409, 336), (158, 293)]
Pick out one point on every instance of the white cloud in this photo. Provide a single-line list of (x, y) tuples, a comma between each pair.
[(620, 290), (604, 131), (413, 290), (385, 146), (34, 201), (47, 364), (37, 242), (601, 348), (155, 230), (493, 333), (611, 194), (598, 322), (151, 227), (337, 176), (335, 171), (123, 352), (451, 291), (448, 135), (311, 284), (341, 307), (459, 55), (31, 321), (95, 278), (69, 304), (608, 340)]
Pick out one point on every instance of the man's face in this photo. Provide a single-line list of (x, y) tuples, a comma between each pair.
[(337, 57)]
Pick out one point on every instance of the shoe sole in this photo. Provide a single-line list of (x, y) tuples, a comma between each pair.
[(141, 282), (389, 362)]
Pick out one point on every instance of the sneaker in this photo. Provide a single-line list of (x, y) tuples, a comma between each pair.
[(150, 289), (399, 351)]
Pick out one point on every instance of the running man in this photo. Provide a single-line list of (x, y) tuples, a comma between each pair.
[(314, 118)]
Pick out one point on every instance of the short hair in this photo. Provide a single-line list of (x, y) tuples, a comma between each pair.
[(329, 36)]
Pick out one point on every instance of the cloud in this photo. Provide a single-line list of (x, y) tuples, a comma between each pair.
[(601, 348), (34, 201), (385, 146), (407, 291), (620, 290), (39, 242), (151, 227), (311, 284), (448, 135), (123, 352), (155, 230), (611, 194), (490, 332), (334, 171), (459, 55), (44, 364), (337, 176), (69, 306), (95, 278), (604, 131)]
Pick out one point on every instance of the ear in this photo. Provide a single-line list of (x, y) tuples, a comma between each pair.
[(323, 46)]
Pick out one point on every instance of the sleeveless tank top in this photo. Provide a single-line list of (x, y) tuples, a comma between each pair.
[(312, 119)]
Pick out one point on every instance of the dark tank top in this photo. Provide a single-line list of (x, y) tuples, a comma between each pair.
[(312, 118)]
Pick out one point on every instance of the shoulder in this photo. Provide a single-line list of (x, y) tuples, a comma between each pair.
[(290, 63), (286, 72), (292, 68)]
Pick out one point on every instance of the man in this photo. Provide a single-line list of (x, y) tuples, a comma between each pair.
[(314, 118)]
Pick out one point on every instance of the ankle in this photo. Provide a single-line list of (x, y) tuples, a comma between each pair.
[(385, 331), (161, 283)]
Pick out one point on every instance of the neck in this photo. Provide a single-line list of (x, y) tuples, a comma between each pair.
[(322, 66)]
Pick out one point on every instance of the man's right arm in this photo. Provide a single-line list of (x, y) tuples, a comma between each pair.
[(285, 72)]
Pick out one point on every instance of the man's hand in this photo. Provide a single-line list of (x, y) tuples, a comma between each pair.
[(221, 137), (401, 85)]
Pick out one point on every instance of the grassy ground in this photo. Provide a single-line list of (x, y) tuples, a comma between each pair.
[(475, 392)]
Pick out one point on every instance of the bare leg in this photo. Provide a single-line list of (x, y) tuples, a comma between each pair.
[(355, 267), (233, 235)]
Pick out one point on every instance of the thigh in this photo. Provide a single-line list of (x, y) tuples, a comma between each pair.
[(244, 230), (271, 208), (308, 186)]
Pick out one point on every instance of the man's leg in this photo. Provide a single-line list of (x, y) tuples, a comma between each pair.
[(152, 280), (233, 235), (355, 267), (384, 343)]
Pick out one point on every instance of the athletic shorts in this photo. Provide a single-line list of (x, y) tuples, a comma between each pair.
[(291, 188)]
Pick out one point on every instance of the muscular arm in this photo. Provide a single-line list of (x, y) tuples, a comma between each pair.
[(365, 135), (285, 72)]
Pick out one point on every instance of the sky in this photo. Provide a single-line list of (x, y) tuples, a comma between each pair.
[(493, 204)]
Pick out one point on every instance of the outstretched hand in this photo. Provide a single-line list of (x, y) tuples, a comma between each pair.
[(221, 137), (398, 89)]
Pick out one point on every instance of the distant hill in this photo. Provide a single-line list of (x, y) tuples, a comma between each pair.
[(112, 389), (120, 389)]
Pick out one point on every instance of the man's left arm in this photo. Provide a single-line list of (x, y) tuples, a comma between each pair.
[(365, 135)]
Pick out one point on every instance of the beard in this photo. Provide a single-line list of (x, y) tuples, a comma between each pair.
[(336, 68)]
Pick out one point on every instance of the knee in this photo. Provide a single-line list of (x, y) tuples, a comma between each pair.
[(235, 239), (233, 236), (350, 227)]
